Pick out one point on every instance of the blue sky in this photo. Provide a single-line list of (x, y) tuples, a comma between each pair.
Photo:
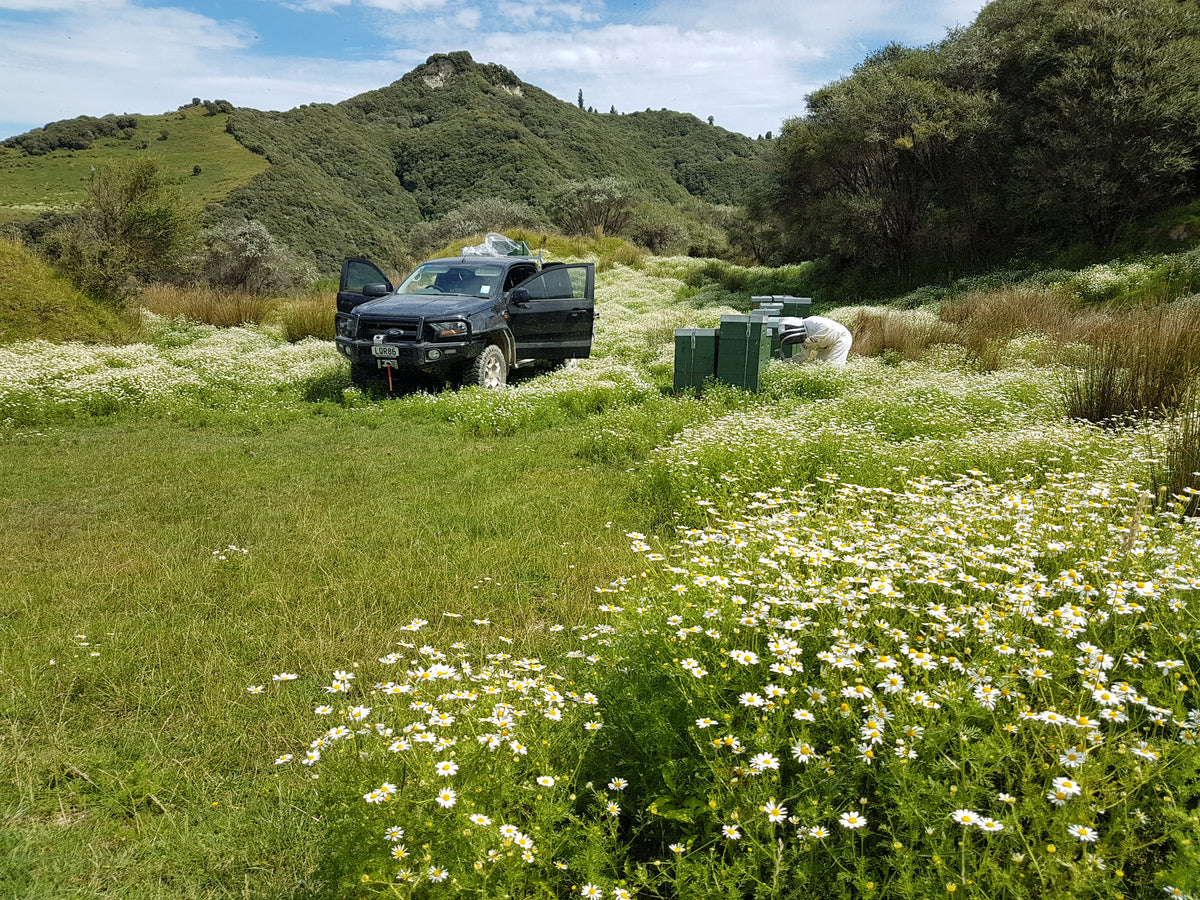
[(746, 63)]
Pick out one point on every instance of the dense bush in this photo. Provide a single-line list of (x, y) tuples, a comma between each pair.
[(472, 218), (72, 134), (1045, 123), (600, 206), (133, 227), (245, 256)]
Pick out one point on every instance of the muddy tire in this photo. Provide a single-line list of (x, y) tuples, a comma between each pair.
[(488, 370)]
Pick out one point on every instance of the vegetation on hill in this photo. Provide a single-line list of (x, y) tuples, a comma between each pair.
[(197, 156), (1044, 124), (356, 176)]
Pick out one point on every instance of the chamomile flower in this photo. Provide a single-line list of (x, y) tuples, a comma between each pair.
[(775, 812), (1083, 833), (852, 820)]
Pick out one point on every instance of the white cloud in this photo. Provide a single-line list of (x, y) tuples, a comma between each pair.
[(123, 58), (748, 63), (57, 5), (405, 6), (321, 6), (468, 18), (542, 11), (740, 78)]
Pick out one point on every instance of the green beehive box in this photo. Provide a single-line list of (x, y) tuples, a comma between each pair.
[(695, 356), (796, 306), (745, 350)]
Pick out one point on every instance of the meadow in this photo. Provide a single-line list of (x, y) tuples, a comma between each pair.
[(912, 628)]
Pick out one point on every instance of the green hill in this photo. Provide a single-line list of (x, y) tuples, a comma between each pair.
[(40, 182), (336, 179), (36, 303), (349, 177)]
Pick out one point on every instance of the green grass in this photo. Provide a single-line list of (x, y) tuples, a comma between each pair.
[(145, 771), (35, 302), (30, 185)]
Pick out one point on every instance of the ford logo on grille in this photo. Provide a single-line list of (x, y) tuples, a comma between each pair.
[(394, 332)]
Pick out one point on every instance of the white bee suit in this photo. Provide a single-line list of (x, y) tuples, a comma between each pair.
[(824, 339)]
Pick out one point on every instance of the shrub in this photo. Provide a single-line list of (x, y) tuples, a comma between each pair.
[(601, 206), (244, 256), (307, 317), (472, 218), (905, 334), (72, 134), (660, 228), (133, 227), (628, 255)]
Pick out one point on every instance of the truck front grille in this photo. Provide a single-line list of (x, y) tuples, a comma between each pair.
[(393, 330)]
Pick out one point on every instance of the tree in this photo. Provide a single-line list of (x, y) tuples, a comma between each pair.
[(598, 206), (580, 98), (1096, 103), (870, 173), (132, 227), (244, 256)]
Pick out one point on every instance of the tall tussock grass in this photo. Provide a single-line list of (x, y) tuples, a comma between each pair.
[(307, 317), (1179, 473), (1143, 363), (202, 303), (907, 335)]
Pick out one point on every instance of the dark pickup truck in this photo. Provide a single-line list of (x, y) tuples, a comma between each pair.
[(468, 320)]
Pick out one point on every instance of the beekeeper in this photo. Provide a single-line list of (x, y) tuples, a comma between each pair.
[(823, 339)]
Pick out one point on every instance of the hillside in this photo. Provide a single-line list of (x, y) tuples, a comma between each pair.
[(336, 179), (32, 184), (36, 303), (348, 177)]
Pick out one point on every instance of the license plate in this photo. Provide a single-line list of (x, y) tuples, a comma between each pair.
[(385, 351)]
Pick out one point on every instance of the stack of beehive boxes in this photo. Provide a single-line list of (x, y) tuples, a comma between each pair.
[(737, 353)]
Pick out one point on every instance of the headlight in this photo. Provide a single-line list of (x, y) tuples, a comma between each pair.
[(346, 326), (447, 331)]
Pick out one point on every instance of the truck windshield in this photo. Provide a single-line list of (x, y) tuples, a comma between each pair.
[(463, 279)]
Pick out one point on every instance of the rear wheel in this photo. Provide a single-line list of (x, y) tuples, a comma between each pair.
[(488, 370)]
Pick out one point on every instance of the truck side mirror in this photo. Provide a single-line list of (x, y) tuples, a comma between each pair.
[(376, 290), (519, 296)]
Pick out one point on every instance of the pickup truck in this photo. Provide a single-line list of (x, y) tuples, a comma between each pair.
[(468, 320)]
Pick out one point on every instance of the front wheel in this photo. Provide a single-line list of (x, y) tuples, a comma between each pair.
[(488, 370)]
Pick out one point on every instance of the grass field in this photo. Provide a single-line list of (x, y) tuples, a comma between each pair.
[(883, 588), (33, 185)]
